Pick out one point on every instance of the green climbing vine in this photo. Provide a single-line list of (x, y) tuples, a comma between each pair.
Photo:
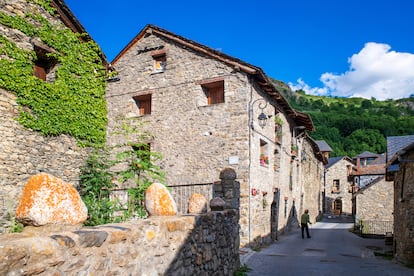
[(74, 103)]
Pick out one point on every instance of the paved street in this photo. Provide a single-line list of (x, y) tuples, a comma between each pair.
[(331, 250)]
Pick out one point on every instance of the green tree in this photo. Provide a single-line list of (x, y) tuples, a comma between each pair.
[(138, 164), (95, 188), (365, 140)]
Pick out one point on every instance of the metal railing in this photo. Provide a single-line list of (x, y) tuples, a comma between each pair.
[(375, 227), (182, 194)]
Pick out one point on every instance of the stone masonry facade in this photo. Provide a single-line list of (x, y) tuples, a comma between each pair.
[(24, 152), (198, 139), (375, 202), (338, 174), (404, 209)]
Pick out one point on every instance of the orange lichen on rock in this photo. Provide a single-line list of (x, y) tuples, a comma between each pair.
[(197, 204), (159, 202), (48, 200)]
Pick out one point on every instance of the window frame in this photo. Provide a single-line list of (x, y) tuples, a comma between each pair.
[(144, 104), (214, 91), (336, 186), (264, 153), (160, 60)]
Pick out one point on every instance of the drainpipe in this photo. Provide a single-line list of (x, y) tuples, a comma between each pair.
[(250, 156)]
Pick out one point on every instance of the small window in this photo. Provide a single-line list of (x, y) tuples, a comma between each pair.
[(142, 152), (214, 92), (264, 153), (42, 68), (336, 186), (44, 64), (160, 60), (143, 103), (160, 63)]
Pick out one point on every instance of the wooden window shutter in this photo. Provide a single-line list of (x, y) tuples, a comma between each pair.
[(145, 106), (40, 71), (143, 103), (214, 92)]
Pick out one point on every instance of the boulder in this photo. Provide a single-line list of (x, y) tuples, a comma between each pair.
[(159, 202), (197, 204), (48, 200)]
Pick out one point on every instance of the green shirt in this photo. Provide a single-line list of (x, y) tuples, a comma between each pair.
[(304, 218)]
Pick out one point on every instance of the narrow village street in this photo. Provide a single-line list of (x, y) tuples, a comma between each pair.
[(331, 250)]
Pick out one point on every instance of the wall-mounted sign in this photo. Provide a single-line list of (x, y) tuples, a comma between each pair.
[(233, 160)]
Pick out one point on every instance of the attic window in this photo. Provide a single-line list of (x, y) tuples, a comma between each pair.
[(160, 60), (214, 91), (143, 103)]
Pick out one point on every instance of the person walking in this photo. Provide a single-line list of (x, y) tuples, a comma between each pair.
[(304, 220)]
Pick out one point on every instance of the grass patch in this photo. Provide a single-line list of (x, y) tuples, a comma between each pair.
[(242, 271)]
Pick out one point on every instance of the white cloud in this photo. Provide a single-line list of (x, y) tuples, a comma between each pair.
[(373, 72)]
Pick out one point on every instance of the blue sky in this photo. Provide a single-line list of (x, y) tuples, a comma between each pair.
[(340, 48)]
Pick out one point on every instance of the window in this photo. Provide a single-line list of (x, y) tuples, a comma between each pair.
[(336, 187), (142, 152), (264, 155), (143, 103), (160, 61), (43, 68), (367, 161), (214, 91), (44, 64)]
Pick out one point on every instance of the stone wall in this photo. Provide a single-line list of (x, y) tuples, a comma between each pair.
[(197, 140), (404, 209), (24, 153), (338, 171), (206, 244), (312, 182), (375, 201)]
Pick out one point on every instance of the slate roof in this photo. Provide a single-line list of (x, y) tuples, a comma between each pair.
[(323, 146), (397, 143), (333, 160), (366, 154)]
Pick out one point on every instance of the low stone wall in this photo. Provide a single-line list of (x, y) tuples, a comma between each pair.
[(205, 244)]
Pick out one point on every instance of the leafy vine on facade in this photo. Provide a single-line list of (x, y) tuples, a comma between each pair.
[(74, 102)]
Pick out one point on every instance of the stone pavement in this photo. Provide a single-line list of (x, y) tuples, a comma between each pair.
[(331, 250)]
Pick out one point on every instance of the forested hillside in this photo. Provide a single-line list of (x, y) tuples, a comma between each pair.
[(353, 125)]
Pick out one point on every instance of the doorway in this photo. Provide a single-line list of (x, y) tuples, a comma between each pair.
[(338, 206), (274, 215)]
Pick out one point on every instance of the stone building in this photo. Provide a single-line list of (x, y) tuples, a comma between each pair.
[(400, 170), (25, 152), (207, 111), (338, 186), (373, 194)]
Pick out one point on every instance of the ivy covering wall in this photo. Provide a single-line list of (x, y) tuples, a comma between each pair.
[(74, 103)]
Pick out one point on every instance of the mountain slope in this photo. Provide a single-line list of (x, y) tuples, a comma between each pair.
[(353, 125)]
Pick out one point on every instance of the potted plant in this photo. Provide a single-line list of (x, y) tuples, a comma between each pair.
[(264, 160), (294, 150)]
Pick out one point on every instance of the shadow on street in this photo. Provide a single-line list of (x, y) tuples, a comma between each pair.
[(332, 250)]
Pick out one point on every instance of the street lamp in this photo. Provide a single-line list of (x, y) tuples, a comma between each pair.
[(262, 118)]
